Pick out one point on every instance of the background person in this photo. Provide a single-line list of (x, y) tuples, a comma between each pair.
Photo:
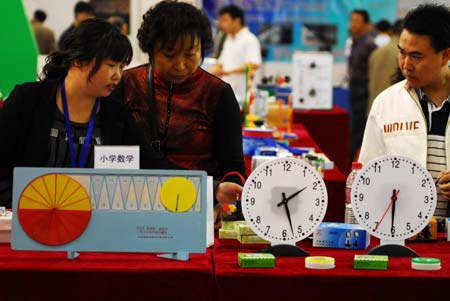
[(240, 49), (82, 11), (358, 64), (45, 37)]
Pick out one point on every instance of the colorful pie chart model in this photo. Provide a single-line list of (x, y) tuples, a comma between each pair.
[(54, 209), (178, 194)]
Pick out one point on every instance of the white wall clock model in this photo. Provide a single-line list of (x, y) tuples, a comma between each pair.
[(393, 198), (283, 201)]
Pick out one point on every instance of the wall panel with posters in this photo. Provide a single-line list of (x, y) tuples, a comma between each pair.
[(287, 25)]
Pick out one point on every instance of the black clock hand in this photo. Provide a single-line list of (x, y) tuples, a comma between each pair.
[(290, 197), (394, 199), (176, 206), (286, 207)]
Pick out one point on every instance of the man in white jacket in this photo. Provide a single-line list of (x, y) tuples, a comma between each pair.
[(411, 117)]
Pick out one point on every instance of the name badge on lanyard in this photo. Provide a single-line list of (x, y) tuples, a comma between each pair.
[(87, 141)]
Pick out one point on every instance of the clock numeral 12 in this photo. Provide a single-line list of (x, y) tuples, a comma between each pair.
[(287, 166), (395, 164)]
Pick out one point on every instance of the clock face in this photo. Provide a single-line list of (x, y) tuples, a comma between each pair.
[(393, 197), (284, 200)]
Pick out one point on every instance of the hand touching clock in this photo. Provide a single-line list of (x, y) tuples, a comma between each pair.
[(443, 182), (228, 192)]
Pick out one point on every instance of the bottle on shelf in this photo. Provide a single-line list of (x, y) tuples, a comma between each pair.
[(349, 216)]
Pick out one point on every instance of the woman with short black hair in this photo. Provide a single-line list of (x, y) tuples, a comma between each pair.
[(190, 116)]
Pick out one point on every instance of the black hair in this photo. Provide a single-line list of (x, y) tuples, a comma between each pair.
[(168, 21), (432, 20), (116, 21), (83, 7), (397, 27), (383, 25), (40, 15), (234, 11), (364, 13), (92, 39)]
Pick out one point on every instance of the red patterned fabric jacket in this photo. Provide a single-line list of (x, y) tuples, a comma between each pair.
[(204, 130)]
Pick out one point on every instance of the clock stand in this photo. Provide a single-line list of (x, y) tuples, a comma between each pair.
[(393, 249), (285, 251)]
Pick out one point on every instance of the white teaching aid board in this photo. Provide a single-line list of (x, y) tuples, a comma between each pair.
[(70, 209), (312, 83)]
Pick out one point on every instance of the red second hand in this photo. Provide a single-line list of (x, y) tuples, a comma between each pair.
[(393, 199)]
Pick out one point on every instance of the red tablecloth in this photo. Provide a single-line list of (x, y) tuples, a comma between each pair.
[(216, 276), (330, 129), (290, 279), (103, 276)]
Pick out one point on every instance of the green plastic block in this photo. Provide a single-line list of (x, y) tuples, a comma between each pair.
[(256, 260), (371, 262)]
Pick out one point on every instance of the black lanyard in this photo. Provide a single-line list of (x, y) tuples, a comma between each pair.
[(154, 128)]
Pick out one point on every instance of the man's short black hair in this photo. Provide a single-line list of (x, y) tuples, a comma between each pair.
[(40, 15), (234, 11), (383, 25), (168, 21), (432, 20), (83, 7), (364, 13)]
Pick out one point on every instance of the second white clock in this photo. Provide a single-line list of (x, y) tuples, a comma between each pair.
[(393, 197)]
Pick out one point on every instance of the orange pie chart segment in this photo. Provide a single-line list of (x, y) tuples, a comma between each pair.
[(54, 209)]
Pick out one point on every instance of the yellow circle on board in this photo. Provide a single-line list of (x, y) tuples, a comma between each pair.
[(178, 194)]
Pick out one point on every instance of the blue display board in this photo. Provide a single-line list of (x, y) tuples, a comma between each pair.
[(283, 26), (63, 209)]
